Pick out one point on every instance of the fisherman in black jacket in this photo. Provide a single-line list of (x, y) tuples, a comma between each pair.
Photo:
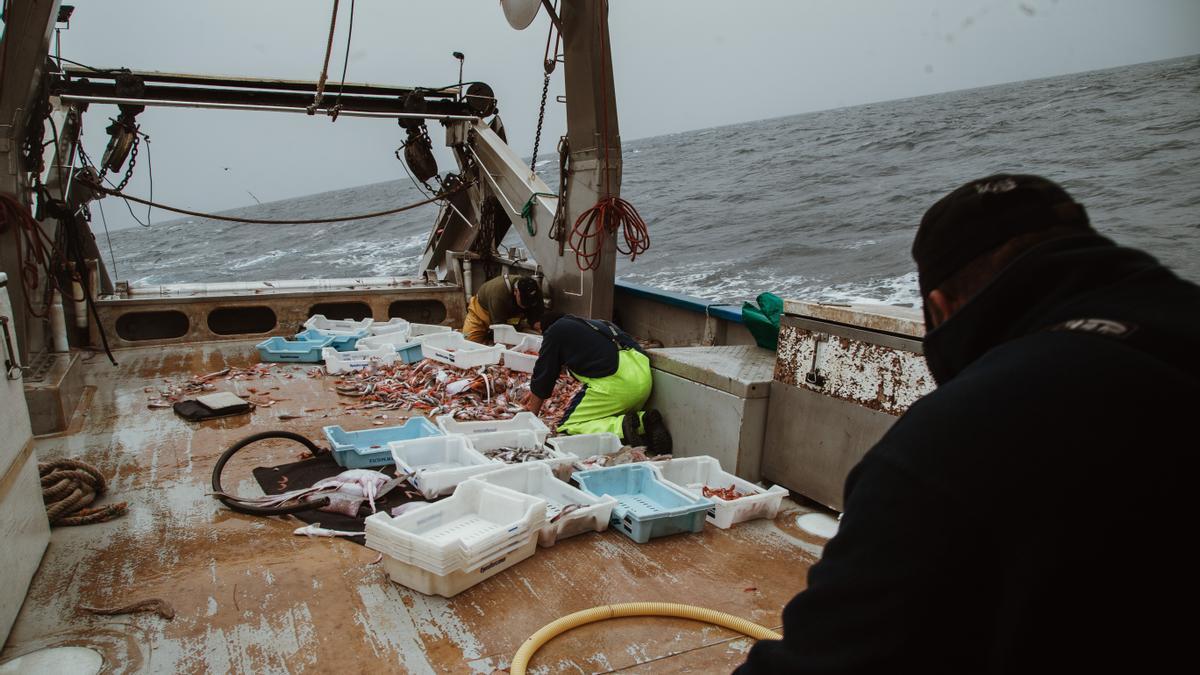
[(1031, 514), (615, 373)]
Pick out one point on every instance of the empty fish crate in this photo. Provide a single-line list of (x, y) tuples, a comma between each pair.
[(343, 342), (369, 447), (646, 506), (278, 349), (319, 322), (343, 362)]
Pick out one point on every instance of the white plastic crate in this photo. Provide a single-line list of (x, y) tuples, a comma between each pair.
[(421, 329), (455, 350), (517, 357), (569, 510), (461, 532), (394, 340), (560, 462), (439, 463), (506, 334), (455, 582), (692, 474), (337, 326), (522, 420), (393, 325), (583, 446), (344, 362)]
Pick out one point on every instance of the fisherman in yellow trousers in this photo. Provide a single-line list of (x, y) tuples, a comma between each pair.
[(616, 381), (505, 299)]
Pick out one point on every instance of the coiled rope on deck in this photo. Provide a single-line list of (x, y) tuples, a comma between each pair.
[(69, 487)]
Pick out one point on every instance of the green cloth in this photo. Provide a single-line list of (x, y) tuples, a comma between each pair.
[(762, 319), (607, 399), (496, 298)]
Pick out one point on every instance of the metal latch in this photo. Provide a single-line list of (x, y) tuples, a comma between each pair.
[(814, 376), (12, 365)]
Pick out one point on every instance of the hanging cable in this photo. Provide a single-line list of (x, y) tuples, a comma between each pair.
[(261, 221), (337, 104), (610, 213), (312, 109), (548, 64), (112, 256), (527, 211)]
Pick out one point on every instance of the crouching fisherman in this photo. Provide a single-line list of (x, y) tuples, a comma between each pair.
[(615, 373), (505, 299)]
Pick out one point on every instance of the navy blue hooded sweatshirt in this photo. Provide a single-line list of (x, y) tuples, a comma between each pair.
[(1035, 513)]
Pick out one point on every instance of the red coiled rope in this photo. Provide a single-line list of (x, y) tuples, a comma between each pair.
[(604, 219), (610, 213)]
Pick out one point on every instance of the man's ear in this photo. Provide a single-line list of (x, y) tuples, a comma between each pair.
[(941, 306)]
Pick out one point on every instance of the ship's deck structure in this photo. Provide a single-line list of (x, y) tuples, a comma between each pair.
[(251, 597)]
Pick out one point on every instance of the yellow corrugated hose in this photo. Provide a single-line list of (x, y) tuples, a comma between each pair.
[(553, 629)]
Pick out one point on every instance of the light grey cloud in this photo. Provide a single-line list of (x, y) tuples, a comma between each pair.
[(678, 64)]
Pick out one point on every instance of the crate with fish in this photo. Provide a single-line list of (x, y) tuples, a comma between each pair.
[(647, 507), (369, 447), (590, 450), (569, 510), (455, 350), (523, 356), (343, 362), (339, 326), (449, 546), (278, 349), (435, 465), (521, 446), (522, 420), (343, 342), (734, 500)]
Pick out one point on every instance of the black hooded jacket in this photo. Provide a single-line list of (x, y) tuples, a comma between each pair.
[(1033, 513)]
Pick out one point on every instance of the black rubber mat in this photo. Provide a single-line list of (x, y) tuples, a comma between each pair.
[(277, 479)]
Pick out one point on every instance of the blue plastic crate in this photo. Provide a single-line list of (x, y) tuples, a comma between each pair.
[(410, 352), (301, 351), (646, 506), (341, 342), (369, 447)]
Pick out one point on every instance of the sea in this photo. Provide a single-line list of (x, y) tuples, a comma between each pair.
[(819, 206)]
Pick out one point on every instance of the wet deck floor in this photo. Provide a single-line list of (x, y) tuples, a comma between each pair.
[(251, 597)]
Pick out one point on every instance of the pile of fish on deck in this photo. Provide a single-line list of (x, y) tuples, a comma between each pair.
[(497, 481)]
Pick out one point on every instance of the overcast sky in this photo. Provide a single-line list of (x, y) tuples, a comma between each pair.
[(679, 65)]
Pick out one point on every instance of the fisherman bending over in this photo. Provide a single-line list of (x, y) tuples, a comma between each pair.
[(1033, 513), (504, 299), (616, 381)]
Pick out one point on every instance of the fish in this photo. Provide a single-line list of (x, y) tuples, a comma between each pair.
[(315, 530)]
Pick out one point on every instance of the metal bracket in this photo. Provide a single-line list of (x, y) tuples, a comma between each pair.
[(12, 364), (814, 376)]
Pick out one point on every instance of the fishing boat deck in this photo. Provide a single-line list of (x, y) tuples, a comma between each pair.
[(250, 596)]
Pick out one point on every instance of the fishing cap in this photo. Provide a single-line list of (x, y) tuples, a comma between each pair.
[(984, 214), (530, 296)]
